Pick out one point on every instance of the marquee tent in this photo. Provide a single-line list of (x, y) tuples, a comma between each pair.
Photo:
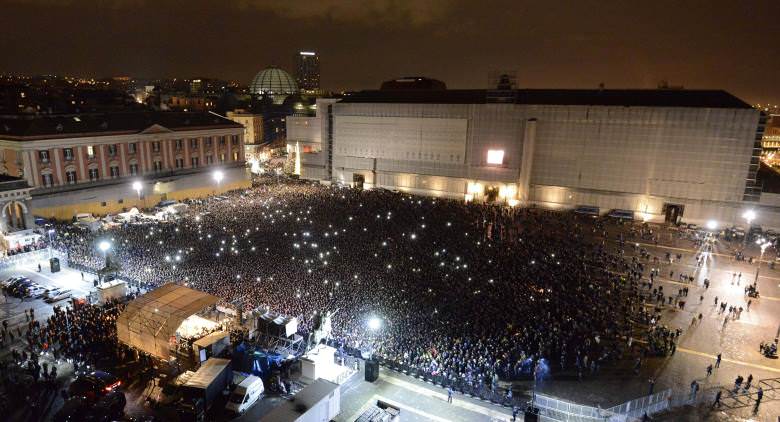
[(150, 321)]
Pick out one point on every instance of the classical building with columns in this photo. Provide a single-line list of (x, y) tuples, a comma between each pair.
[(656, 155), (87, 162)]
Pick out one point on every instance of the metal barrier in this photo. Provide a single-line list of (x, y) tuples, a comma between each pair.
[(31, 257), (86, 269), (635, 409), (553, 409), (473, 388)]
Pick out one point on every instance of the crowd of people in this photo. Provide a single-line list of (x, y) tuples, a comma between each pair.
[(82, 334), (464, 291)]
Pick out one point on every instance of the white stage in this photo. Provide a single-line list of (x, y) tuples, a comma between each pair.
[(195, 326), (319, 363)]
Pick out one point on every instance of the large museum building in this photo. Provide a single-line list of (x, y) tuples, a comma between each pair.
[(661, 154)]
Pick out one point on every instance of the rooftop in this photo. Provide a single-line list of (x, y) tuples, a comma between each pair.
[(9, 183), (45, 126), (599, 97)]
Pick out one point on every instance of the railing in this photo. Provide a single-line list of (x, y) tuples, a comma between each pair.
[(552, 409), (90, 270), (470, 388), (32, 256), (635, 409)]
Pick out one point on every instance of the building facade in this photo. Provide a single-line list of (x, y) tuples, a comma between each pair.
[(60, 155), (15, 207), (307, 66), (253, 131), (665, 155)]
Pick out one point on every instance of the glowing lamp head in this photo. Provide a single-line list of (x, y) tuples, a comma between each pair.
[(218, 176), (374, 323), (749, 215), (712, 225), (104, 246), (137, 186)]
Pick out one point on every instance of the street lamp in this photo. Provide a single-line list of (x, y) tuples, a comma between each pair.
[(138, 187), (218, 176), (712, 225), (763, 244), (374, 323), (51, 241), (104, 246), (749, 216)]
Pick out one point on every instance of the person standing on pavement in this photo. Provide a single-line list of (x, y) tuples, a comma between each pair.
[(717, 399), (759, 396), (717, 360), (652, 386), (449, 394)]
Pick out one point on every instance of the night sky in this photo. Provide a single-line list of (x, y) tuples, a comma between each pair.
[(734, 45)]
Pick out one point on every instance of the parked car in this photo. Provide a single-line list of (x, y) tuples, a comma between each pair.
[(36, 291), (20, 288), (62, 295), (7, 283), (94, 385)]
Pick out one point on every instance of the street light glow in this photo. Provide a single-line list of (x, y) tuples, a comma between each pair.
[(104, 246), (712, 224), (749, 215), (218, 176), (374, 323)]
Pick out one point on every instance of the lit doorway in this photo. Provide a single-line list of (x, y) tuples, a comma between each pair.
[(358, 180), (673, 213)]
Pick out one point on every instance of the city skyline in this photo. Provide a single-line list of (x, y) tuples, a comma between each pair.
[(623, 46)]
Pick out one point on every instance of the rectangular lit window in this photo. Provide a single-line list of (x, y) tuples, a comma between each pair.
[(495, 156), (90, 151)]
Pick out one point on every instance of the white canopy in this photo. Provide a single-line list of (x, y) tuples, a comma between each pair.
[(149, 321)]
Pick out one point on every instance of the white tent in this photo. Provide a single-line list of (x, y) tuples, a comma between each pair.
[(150, 321)]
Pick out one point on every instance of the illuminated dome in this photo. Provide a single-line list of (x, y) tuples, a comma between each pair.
[(275, 82)]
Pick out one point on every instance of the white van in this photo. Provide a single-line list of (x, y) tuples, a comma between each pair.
[(246, 394)]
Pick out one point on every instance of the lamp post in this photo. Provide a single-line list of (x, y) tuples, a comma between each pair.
[(763, 244), (138, 187), (51, 240), (104, 246), (749, 216), (218, 176)]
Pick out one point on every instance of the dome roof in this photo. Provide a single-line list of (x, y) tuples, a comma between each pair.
[(273, 81)]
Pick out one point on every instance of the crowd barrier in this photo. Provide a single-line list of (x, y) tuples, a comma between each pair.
[(475, 389), (36, 256), (92, 271)]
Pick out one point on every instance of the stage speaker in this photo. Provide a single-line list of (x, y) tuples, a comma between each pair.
[(372, 370), (531, 414), (54, 264)]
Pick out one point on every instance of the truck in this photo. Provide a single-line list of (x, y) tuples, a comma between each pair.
[(202, 389)]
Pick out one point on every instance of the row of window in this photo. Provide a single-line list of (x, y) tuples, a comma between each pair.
[(93, 174), (112, 149)]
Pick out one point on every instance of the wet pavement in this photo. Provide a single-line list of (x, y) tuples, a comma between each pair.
[(738, 341)]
